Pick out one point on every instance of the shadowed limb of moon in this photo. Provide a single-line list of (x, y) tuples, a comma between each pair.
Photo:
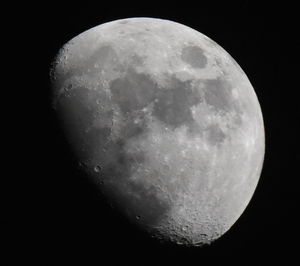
[(166, 120)]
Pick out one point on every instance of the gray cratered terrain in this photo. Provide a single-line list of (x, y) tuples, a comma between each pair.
[(166, 123)]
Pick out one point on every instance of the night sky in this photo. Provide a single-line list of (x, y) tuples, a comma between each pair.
[(50, 213)]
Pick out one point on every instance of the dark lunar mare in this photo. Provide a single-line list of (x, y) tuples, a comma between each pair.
[(173, 105), (78, 108), (217, 93), (194, 56)]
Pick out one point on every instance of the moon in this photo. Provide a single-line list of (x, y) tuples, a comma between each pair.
[(164, 122)]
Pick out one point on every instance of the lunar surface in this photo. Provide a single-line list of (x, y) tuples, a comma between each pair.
[(166, 124)]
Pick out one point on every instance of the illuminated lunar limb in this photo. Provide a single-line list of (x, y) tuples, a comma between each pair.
[(168, 122)]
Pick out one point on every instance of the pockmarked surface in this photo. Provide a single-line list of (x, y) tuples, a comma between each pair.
[(165, 122)]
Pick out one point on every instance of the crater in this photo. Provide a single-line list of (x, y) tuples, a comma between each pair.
[(194, 56)]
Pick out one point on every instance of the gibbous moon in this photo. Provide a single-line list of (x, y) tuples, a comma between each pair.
[(166, 124)]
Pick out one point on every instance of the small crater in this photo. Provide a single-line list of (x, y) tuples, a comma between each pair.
[(97, 168), (68, 88), (184, 228), (194, 56)]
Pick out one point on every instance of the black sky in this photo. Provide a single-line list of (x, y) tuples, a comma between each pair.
[(53, 214)]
